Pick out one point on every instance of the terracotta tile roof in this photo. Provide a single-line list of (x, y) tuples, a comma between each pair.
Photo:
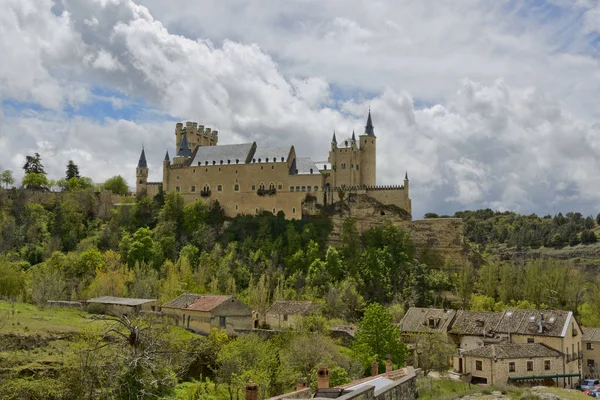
[(526, 322), (207, 303), (513, 350), (182, 301), (591, 334), (476, 323), (286, 307), (426, 320)]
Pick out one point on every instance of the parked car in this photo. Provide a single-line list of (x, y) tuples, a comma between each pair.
[(594, 391), (595, 394), (587, 384)]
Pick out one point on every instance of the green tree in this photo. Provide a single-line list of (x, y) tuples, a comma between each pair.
[(72, 170), (6, 177), (117, 185), (33, 165), (35, 181), (432, 352), (377, 338), (12, 279), (144, 249)]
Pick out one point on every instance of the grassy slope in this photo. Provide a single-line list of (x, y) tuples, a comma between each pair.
[(27, 319)]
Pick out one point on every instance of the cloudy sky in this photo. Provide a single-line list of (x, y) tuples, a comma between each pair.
[(486, 103)]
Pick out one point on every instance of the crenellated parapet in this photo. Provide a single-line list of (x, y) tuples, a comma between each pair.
[(365, 188), (197, 135)]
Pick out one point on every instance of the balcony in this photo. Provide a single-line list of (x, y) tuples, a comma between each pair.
[(205, 193), (266, 192)]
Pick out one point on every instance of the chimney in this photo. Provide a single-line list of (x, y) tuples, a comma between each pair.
[(251, 391), (542, 324), (374, 368), (300, 385), (323, 378), (389, 367)]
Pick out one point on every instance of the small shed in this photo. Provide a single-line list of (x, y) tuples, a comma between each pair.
[(120, 305), (286, 314)]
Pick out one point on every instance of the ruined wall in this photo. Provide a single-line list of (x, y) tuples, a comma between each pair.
[(436, 240)]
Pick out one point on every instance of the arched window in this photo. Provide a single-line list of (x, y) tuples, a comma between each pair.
[(282, 159), (237, 161), (261, 186), (273, 211), (297, 188), (308, 188), (304, 188), (259, 160), (236, 206), (177, 189), (279, 186), (141, 181), (236, 187), (228, 161), (214, 162), (193, 189), (272, 186), (291, 188), (293, 210), (219, 188), (316, 188), (221, 162), (206, 163), (267, 159)]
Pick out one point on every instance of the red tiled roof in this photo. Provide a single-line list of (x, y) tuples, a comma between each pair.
[(207, 303)]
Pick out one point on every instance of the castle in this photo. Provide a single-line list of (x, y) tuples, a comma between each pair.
[(247, 179)]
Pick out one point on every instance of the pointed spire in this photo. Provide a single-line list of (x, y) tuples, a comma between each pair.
[(334, 140), (369, 128), (184, 148), (353, 136), (167, 156), (406, 176), (142, 163)]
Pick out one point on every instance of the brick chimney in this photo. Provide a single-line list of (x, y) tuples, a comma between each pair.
[(388, 366), (300, 385), (374, 368), (323, 378), (251, 391)]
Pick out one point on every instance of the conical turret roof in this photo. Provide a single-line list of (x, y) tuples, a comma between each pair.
[(369, 127), (142, 163)]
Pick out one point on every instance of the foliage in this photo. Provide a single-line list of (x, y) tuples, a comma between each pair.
[(33, 165), (36, 181), (117, 185), (6, 178), (433, 352), (377, 338), (72, 171)]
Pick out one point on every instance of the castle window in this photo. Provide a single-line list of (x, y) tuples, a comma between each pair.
[(272, 167), (293, 210), (206, 169), (351, 166), (297, 188), (316, 188), (221, 162), (220, 188), (206, 163), (291, 188), (228, 161), (346, 143), (236, 171), (478, 365), (237, 161), (193, 188), (261, 167), (311, 170), (529, 365), (273, 211), (254, 160), (257, 210), (236, 187), (199, 163), (194, 170), (177, 189), (282, 159), (308, 188), (253, 187), (259, 160), (357, 167), (141, 181), (304, 188), (267, 159), (214, 162), (343, 165), (219, 169), (272, 186), (236, 206), (177, 177), (262, 186), (280, 187)]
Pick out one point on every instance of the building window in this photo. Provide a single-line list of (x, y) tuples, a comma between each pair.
[(219, 188), (589, 346), (236, 171), (304, 188), (206, 169), (293, 210), (219, 169), (193, 189), (357, 167), (141, 181), (511, 367), (478, 365), (261, 167), (297, 188), (273, 211), (177, 177), (279, 186), (177, 189), (316, 188), (236, 187), (546, 365), (236, 206), (351, 166), (222, 322), (529, 365), (221, 164), (530, 340), (285, 317), (262, 186), (591, 364), (253, 187), (308, 188), (272, 167), (343, 165), (291, 188), (271, 186)]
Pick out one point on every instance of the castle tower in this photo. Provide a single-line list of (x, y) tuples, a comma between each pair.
[(368, 150), (166, 165), (179, 133), (141, 174)]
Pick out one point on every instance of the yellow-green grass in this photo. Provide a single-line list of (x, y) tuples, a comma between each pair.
[(27, 319)]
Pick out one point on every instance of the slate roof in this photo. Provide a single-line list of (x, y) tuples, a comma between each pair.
[(142, 162), (272, 154), (119, 301), (513, 350), (224, 152), (207, 303), (591, 334), (184, 148), (417, 320), (281, 307), (369, 127), (525, 322), (474, 322), (304, 165), (182, 301)]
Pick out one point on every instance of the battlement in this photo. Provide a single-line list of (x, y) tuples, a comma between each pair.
[(365, 188), (195, 129)]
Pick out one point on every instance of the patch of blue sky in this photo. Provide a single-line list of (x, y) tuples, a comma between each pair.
[(103, 105)]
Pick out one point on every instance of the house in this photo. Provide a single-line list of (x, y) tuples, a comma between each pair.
[(426, 320), (286, 314), (499, 364), (591, 351), (202, 313), (120, 305), (472, 329)]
